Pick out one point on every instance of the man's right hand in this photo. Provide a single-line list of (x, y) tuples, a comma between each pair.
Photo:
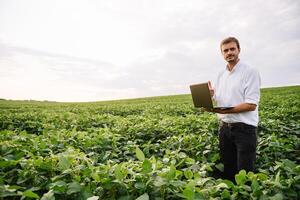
[(211, 89)]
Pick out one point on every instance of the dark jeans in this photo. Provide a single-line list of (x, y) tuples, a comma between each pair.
[(237, 142)]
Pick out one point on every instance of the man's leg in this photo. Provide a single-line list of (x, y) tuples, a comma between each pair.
[(228, 153), (246, 142)]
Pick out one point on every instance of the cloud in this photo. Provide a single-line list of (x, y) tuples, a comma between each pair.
[(42, 75), (116, 49)]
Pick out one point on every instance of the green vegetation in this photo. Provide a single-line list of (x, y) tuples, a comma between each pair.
[(148, 148)]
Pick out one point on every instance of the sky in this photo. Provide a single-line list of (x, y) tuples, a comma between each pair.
[(92, 50)]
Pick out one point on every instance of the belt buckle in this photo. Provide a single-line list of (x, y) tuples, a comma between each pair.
[(230, 125)]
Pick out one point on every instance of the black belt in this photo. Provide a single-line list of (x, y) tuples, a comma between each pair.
[(236, 124)]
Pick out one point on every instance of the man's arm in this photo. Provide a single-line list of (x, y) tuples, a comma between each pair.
[(243, 107)]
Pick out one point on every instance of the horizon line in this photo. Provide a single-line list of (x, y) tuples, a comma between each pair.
[(123, 99)]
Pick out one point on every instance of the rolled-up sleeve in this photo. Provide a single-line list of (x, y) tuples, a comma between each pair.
[(252, 87)]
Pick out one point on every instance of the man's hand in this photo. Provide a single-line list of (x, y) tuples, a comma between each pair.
[(243, 107), (211, 90), (223, 111), (216, 110)]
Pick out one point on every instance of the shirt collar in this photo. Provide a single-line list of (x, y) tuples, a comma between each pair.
[(238, 65)]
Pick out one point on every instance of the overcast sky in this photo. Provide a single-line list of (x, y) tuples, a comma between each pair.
[(90, 50)]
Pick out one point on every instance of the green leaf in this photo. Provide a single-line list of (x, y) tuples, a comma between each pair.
[(13, 188), (191, 184), (220, 167), (8, 163), (290, 164), (188, 193), (262, 176), (143, 197), (254, 185), (188, 174), (48, 196), (277, 179), (225, 194), (228, 183), (172, 172), (139, 185), (139, 154), (96, 177), (159, 181), (93, 198), (147, 166), (30, 194), (241, 177), (63, 162), (251, 176), (278, 196), (189, 161), (177, 183), (58, 187), (221, 186), (73, 187), (118, 172), (182, 155), (126, 197), (247, 188)]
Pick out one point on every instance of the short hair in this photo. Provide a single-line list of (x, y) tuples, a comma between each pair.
[(228, 40)]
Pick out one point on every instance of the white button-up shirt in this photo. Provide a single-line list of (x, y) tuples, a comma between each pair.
[(241, 85)]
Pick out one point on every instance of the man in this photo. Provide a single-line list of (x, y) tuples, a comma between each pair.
[(237, 86)]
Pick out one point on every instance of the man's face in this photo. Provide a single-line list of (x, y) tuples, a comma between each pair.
[(230, 52)]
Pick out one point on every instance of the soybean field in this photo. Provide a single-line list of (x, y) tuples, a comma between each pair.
[(148, 148)]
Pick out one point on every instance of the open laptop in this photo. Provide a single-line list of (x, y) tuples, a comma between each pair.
[(201, 97)]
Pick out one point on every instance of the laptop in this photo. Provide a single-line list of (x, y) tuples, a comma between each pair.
[(201, 97)]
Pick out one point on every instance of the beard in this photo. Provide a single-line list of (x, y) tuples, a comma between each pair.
[(231, 58)]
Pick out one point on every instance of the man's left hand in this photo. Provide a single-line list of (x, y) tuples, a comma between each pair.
[(222, 111), (243, 107)]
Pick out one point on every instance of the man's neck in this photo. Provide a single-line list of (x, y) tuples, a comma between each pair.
[(231, 65)]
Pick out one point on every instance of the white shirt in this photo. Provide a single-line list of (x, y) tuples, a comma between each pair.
[(241, 85)]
